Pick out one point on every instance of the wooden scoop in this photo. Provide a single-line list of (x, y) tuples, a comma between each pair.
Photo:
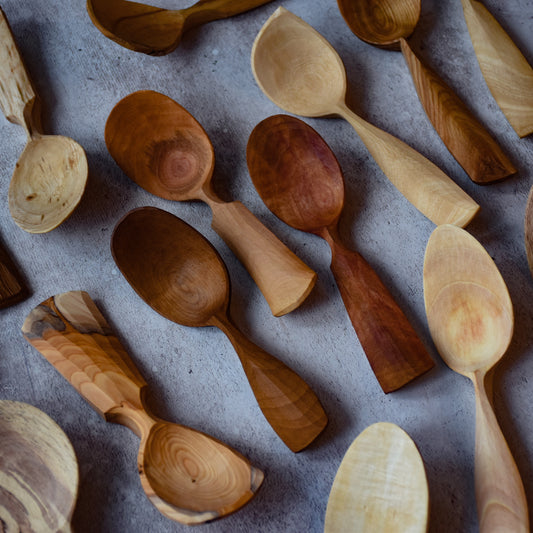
[(38, 471), (178, 273), (387, 24), (189, 476), (470, 317), (51, 173), (12, 289), (299, 179), (381, 485), (301, 73), (528, 230)]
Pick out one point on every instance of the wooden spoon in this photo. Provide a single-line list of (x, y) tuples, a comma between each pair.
[(381, 485), (301, 73), (179, 274), (470, 318), (51, 173), (299, 179), (12, 288), (528, 230), (161, 147), (189, 476), (387, 24), (38, 471), (155, 31)]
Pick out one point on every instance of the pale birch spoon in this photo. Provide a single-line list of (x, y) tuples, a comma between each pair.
[(302, 73), (470, 317), (528, 230)]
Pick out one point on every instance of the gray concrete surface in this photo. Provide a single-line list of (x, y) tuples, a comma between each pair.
[(194, 375)]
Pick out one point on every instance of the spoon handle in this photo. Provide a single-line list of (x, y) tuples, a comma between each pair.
[(205, 11), (12, 289)]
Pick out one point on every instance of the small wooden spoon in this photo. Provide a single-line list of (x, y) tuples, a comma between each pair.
[(12, 288), (528, 230), (301, 73), (299, 179), (189, 476), (387, 24), (51, 173), (470, 318), (380, 486), (178, 273), (38, 471), (155, 31)]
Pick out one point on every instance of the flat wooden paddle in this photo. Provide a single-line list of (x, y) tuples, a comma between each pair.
[(12, 289)]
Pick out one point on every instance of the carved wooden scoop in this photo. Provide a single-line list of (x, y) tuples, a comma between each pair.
[(301, 73), (189, 476), (178, 273), (12, 288), (387, 24), (299, 179), (470, 317)]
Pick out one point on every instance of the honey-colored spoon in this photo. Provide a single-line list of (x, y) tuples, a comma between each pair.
[(387, 24), (302, 73), (51, 173), (528, 230), (189, 476), (178, 273), (470, 317), (162, 148), (299, 179)]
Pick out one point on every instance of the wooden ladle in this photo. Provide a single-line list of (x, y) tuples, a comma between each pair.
[(387, 24), (178, 273), (301, 73), (299, 179), (470, 317), (189, 476), (51, 173), (161, 147)]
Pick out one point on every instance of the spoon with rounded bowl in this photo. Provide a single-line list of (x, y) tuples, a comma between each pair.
[(302, 73), (470, 317)]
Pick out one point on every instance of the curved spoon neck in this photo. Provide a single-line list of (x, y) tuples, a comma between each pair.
[(136, 418)]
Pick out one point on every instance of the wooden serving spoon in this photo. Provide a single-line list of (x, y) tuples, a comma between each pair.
[(470, 317), (155, 31), (387, 24), (162, 148), (12, 289), (299, 179), (51, 173), (301, 73), (178, 273), (38, 471), (528, 230), (381, 485), (189, 476)]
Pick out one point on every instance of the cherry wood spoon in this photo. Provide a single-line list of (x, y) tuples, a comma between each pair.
[(387, 24), (190, 477), (299, 179), (470, 317), (176, 271), (528, 230), (162, 148), (302, 73), (12, 288)]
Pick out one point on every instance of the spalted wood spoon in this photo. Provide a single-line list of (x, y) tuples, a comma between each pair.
[(162, 148), (302, 73), (178, 273), (470, 317), (299, 179), (387, 24), (189, 476)]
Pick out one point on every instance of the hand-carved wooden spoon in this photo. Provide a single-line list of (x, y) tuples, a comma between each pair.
[(155, 31), (161, 147), (299, 179), (301, 73), (189, 476), (12, 289), (387, 24), (51, 173), (528, 230), (178, 273), (38, 471), (470, 317)]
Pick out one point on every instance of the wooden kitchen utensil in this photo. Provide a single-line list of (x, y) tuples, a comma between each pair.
[(189, 476), (12, 289), (299, 179), (528, 230), (470, 317), (178, 273)]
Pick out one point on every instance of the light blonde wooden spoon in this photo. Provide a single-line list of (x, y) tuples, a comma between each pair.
[(302, 73), (528, 230), (470, 317)]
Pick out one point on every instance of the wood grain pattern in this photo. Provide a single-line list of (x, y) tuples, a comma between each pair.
[(528, 230), (179, 274), (189, 476), (12, 288)]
